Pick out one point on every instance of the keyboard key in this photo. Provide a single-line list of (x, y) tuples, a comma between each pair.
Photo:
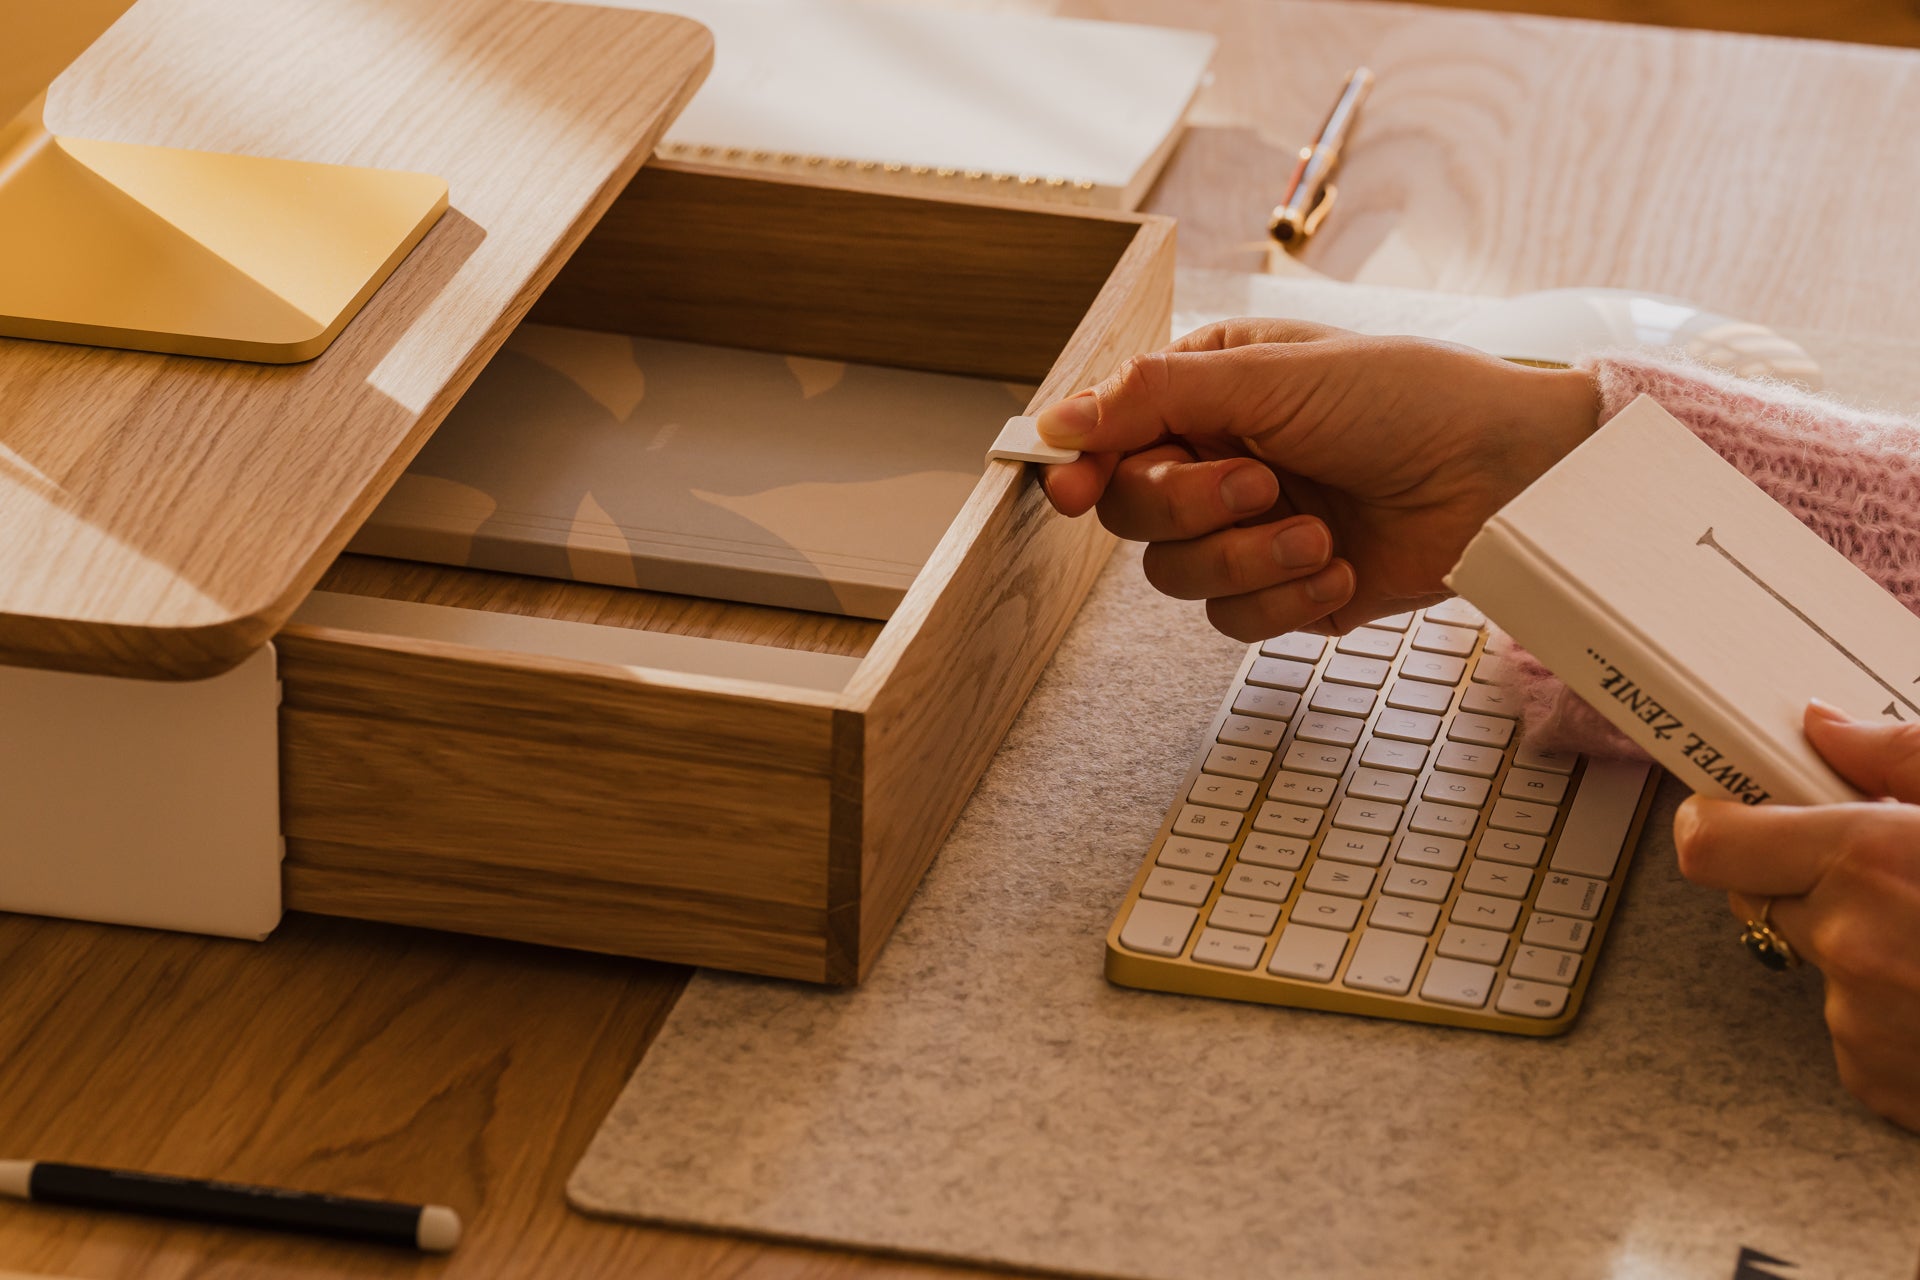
[(1385, 961), (1269, 704), (1349, 668), (1490, 700), (1322, 726), (1485, 731), (1369, 642), (1522, 815), (1393, 622), (1340, 878), (1488, 669), (1411, 695), (1368, 815), (1562, 932), (1407, 726), (1443, 820), (1460, 982), (1238, 762), (1436, 668), (1157, 928), (1456, 613), (1544, 964), (1208, 824), (1280, 673), (1456, 788), (1401, 757), (1325, 910), (1341, 699), (1262, 883), (1464, 757), (1317, 757), (1272, 851), (1363, 847), (1223, 793), (1484, 912), (1183, 853), (1512, 847), (1303, 788), (1404, 915), (1252, 731), (1443, 852), (1597, 825), (1498, 879), (1531, 784), (1184, 887), (1565, 895), (1423, 883), (1464, 942), (1378, 784), (1531, 999), (1528, 757), (1244, 915), (1228, 950), (1435, 638), (1306, 952), (1299, 821), (1301, 646)]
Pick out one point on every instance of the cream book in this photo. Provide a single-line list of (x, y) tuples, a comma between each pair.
[(709, 471), (918, 99), (1692, 610)]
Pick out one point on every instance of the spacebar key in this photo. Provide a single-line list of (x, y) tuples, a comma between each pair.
[(1602, 814)]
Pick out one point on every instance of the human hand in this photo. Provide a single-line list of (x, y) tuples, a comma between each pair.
[(1845, 884), (1294, 475)]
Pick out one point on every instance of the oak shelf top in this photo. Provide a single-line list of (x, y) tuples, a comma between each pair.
[(161, 516)]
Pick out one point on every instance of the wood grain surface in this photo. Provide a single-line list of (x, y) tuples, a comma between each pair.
[(354, 1057), (1500, 154), (162, 515)]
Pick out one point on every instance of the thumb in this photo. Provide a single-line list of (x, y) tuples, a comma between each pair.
[(1879, 758), (1171, 393)]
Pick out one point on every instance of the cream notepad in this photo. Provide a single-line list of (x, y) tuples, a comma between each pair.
[(708, 471), (920, 98)]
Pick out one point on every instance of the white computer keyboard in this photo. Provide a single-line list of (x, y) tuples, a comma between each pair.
[(1362, 831)]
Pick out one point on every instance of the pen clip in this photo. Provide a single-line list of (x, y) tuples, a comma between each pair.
[(1318, 213)]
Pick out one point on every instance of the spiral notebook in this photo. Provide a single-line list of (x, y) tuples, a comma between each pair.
[(939, 103)]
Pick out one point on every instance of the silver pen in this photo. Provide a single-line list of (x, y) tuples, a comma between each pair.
[(1310, 190)]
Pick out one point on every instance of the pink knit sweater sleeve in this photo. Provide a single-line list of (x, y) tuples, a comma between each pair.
[(1852, 477)]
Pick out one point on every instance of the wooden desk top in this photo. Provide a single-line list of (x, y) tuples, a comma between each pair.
[(1498, 154)]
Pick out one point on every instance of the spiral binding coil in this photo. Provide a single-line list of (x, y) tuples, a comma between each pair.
[(1061, 190)]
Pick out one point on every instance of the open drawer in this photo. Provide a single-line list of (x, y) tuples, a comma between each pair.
[(617, 770)]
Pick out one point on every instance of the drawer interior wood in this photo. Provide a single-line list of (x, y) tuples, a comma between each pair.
[(698, 255)]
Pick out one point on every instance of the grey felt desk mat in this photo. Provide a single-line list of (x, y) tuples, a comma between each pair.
[(986, 1095)]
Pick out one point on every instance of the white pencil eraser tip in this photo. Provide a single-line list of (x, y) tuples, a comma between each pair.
[(438, 1230), (1020, 442)]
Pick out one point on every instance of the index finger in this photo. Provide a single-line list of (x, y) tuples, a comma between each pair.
[(1238, 390), (1248, 331)]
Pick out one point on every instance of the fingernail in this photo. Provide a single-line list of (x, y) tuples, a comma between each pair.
[(1067, 425), (1247, 490), (1328, 586), (1827, 711), (1300, 546), (1686, 820)]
